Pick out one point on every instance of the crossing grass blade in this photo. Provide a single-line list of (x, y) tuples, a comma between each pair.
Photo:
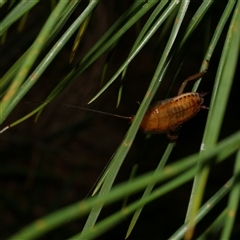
[(183, 170)]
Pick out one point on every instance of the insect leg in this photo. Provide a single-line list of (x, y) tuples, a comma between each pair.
[(173, 134), (191, 78), (202, 95)]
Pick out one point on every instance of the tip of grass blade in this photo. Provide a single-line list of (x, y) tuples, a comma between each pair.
[(4, 129), (93, 99), (119, 96)]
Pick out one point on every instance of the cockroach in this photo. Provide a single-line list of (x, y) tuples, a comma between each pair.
[(168, 115)]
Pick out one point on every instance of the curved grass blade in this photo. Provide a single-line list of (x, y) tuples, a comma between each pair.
[(193, 24), (214, 41), (105, 67), (195, 21)]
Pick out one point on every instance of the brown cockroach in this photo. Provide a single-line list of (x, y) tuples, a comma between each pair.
[(166, 116)]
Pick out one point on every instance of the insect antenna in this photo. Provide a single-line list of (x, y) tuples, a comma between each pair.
[(96, 111)]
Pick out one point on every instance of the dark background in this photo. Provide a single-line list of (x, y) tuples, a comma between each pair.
[(56, 161)]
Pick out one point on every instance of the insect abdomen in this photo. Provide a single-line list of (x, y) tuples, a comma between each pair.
[(183, 108), (172, 112)]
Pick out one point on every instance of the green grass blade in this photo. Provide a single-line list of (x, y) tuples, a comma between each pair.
[(6, 80), (193, 23), (205, 209), (140, 37), (30, 59), (208, 134), (224, 78), (173, 56), (17, 12), (218, 109), (87, 61), (25, 117), (45, 63), (233, 202), (214, 228), (2, 2), (114, 28), (209, 53), (150, 33), (129, 138), (225, 148), (149, 188), (111, 221), (196, 19), (90, 58)]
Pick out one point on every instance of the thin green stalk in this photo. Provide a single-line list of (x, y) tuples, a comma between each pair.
[(140, 37), (215, 227), (150, 187), (233, 202)]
